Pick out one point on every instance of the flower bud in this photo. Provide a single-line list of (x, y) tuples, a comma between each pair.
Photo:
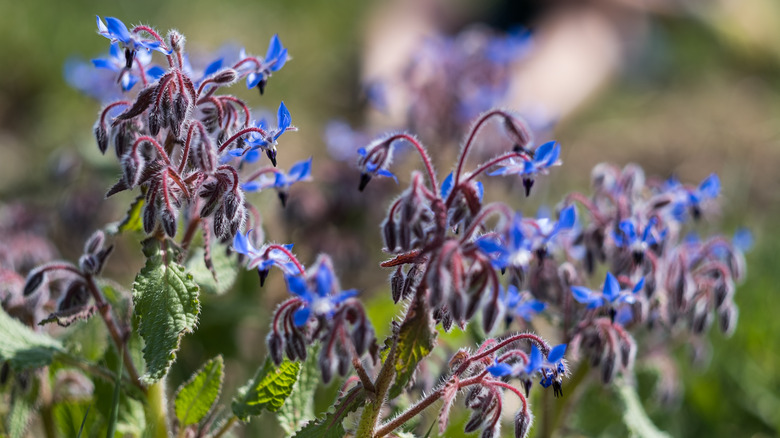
[(523, 421), (225, 76), (34, 281), (168, 220), (95, 242), (88, 264), (389, 234), (102, 137), (518, 131), (397, 284), (275, 347)]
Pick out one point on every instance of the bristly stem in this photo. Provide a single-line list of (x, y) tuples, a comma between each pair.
[(467, 146), (239, 134), (226, 427), (490, 163), (119, 340), (426, 159)]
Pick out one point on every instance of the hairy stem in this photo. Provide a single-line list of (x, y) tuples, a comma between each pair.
[(155, 411), (226, 427)]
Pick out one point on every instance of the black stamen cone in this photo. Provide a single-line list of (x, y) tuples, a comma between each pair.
[(638, 257), (283, 198), (271, 156), (261, 85), (528, 183), (364, 179), (263, 275), (612, 314), (557, 389), (129, 56)]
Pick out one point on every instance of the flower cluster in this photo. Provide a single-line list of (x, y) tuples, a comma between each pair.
[(182, 144)]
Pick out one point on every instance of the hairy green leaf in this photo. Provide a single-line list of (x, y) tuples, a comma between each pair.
[(634, 415), (416, 338), (19, 417), (88, 340), (133, 220), (72, 417), (330, 426), (24, 348), (226, 268), (268, 389), (166, 306), (299, 407), (197, 396)]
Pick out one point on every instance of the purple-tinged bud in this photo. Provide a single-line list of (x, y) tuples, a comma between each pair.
[(150, 216), (177, 41), (700, 317), (102, 137), (397, 284), (518, 132), (727, 319), (405, 236), (144, 99), (89, 264), (221, 223), (325, 363), (344, 363), (475, 422), (75, 296), (132, 166), (627, 352), (457, 305), (34, 281), (362, 337), (180, 107), (410, 284), (168, 220), (491, 432), (275, 347), (291, 353), (489, 316), (95, 242), (123, 139), (724, 290), (446, 320), (523, 422), (231, 202), (609, 366), (298, 345), (225, 76), (389, 233), (155, 120)]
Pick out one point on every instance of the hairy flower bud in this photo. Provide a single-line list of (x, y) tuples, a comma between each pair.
[(397, 284), (102, 137), (523, 421), (275, 347)]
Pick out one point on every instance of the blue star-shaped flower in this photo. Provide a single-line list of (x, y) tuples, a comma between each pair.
[(519, 304), (257, 141), (610, 295), (629, 238), (300, 171), (536, 362), (545, 157), (117, 32), (263, 258), (321, 301), (515, 251), (275, 58)]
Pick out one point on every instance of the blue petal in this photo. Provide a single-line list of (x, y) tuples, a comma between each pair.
[(619, 240), (213, 68), (544, 152), (274, 48), (489, 245), (583, 294), (297, 285), (387, 173), (743, 240), (118, 29), (279, 61), (105, 63), (283, 118), (240, 243), (556, 353), (300, 170), (517, 232), (128, 81), (567, 219), (301, 316), (480, 190), (362, 152), (446, 185), (710, 187), (553, 158), (116, 52), (102, 29), (628, 229), (611, 287), (499, 171), (343, 296), (500, 369), (155, 72), (324, 280), (639, 285), (252, 79), (534, 360), (252, 186)]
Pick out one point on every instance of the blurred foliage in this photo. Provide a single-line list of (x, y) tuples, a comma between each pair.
[(704, 97)]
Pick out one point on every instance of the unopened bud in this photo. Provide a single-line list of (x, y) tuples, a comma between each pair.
[(523, 421), (95, 242), (102, 137), (88, 264), (34, 281), (397, 284), (225, 76), (518, 131)]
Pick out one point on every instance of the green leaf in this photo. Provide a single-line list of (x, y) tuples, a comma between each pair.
[(133, 220), (24, 348), (299, 407), (19, 417), (113, 418), (416, 338), (226, 268), (166, 307), (88, 340), (196, 397), (331, 426), (76, 418), (268, 389), (634, 415)]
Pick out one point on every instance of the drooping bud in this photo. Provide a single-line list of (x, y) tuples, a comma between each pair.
[(518, 131), (168, 220), (34, 281), (225, 76), (95, 242), (397, 284), (523, 421), (88, 264), (364, 180), (102, 137)]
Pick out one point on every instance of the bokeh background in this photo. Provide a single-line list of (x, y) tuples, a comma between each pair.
[(696, 90)]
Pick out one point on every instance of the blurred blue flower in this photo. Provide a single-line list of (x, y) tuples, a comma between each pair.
[(629, 238), (263, 258), (610, 295), (545, 157), (515, 252), (265, 142), (128, 76), (275, 58), (300, 171), (322, 300), (521, 305)]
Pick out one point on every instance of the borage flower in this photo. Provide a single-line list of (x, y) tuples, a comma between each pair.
[(265, 257), (300, 171), (544, 157), (552, 368), (320, 301), (117, 32), (629, 238), (128, 76), (275, 58), (267, 142), (519, 304), (611, 295)]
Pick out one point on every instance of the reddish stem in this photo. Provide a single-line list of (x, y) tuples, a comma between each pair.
[(240, 133), (151, 140), (490, 163), (467, 146), (290, 255)]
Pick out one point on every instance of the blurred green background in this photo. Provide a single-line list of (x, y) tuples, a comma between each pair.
[(703, 96)]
